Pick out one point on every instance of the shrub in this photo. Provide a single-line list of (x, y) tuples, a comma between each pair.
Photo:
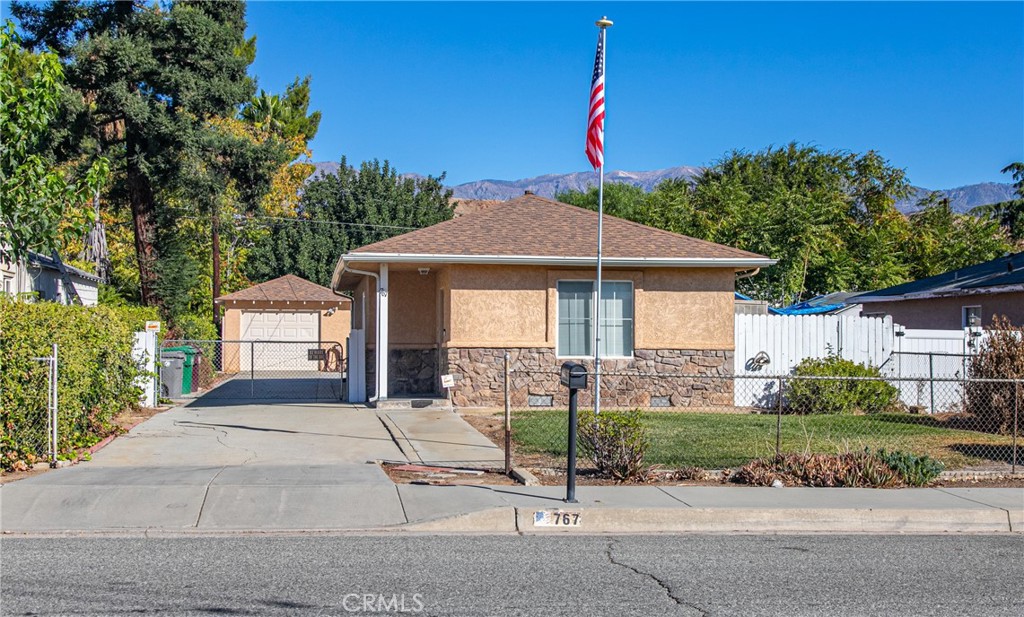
[(96, 374), (879, 469), (913, 470), (850, 469), (616, 442), (839, 395), (1001, 356)]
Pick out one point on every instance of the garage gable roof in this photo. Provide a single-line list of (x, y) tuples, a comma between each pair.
[(288, 288)]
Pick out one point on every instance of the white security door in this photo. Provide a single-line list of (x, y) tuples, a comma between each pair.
[(292, 329)]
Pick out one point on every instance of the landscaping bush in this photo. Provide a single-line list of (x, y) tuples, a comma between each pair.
[(1001, 356), (96, 374), (616, 442), (879, 469), (913, 470), (838, 396)]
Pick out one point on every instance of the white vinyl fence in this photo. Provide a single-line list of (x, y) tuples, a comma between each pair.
[(775, 344)]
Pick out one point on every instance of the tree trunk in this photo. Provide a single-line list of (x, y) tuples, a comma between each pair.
[(140, 196), (216, 266)]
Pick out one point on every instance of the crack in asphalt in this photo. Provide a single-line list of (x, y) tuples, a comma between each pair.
[(664, 586)]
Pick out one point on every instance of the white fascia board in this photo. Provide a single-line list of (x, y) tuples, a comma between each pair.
[(555, 260), (1002, 289)]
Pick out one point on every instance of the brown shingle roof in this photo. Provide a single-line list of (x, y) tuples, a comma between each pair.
[(535, 226), (288, 288)]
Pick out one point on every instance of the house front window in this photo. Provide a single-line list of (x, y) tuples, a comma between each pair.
[(576, 302)]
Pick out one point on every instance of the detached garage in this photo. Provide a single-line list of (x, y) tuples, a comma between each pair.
[(299, 315)]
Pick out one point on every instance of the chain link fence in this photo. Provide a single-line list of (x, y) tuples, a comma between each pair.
[(724, 421), (35, 422), (306, 371)]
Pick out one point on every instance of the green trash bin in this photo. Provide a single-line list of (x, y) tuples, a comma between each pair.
[(186, 372)]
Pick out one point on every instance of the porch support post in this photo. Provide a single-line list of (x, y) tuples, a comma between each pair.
[(382, 334)]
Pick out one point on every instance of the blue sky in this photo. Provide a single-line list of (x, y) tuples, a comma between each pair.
[(499, 90)]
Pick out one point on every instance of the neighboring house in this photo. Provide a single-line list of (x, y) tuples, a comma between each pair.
[(288, 309), (966, 297), (835, 303), (518, 278), (40, 275)]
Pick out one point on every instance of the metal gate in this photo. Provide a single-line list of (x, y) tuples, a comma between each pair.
[(283, 371)]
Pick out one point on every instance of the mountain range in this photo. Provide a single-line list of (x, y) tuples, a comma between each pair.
[(961, 198)]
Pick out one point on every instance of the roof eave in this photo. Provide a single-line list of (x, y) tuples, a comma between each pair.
[(998, 289), (556, 260)]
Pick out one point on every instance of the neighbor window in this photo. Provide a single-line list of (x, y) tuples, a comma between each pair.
[(971, 316), (576, 301)]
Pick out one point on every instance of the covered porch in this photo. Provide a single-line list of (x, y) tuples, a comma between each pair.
[(400, 309)]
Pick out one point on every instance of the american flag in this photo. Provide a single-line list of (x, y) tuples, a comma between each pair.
[(595, 122)]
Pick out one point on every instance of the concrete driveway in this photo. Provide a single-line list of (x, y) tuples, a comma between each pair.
[(238, 466)]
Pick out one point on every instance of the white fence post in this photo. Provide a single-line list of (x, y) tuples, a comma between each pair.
[(144, 353)]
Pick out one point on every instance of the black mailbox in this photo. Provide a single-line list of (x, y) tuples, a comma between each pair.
[(574, 375)]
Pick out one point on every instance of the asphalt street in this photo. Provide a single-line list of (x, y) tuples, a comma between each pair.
[(515, 575)]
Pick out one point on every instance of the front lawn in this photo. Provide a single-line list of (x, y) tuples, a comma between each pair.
[(713, 441)]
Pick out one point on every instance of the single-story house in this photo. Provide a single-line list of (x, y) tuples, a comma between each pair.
[(288, 309), (519, 278), (40, 275), (970, 296)]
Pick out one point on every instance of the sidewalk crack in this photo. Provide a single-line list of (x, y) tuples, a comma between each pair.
[(608, 553), (202, 506), (1009, 515), (662, 489), (401, 503)]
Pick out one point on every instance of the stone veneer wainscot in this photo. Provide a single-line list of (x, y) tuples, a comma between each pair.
[(666, 374)]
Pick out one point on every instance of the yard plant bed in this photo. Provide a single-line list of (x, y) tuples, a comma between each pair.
[(717, 441)]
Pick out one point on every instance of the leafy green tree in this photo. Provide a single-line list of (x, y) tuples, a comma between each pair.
[(945, 240), (148, 78), (621, 200), (41, 206), (1010, 213), (343, 211), (286, 114)]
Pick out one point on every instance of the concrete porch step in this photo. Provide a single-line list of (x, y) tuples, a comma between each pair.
[(414, 402)]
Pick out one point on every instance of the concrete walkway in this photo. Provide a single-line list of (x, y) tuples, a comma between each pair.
[(441, 437)]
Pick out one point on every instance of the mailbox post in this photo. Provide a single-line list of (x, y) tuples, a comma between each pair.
[(573, 376)]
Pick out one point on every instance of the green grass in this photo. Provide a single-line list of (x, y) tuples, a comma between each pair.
[(714, 441)]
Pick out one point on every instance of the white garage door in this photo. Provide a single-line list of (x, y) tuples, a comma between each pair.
[(291, 329)]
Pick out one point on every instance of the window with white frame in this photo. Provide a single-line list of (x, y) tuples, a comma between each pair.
[(576, 302)]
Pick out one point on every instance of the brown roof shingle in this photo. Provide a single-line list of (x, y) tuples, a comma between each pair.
[(288, 288), (535, 226)]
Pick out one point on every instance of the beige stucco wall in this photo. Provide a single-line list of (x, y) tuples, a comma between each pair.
[(674, 308), (947, 313), (412, 310), (685, 308), (498, 306), (473, 306)]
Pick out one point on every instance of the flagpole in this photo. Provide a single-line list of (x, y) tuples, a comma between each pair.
[(603, 24)]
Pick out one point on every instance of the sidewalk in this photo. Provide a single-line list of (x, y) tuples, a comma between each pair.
[(346, 499)]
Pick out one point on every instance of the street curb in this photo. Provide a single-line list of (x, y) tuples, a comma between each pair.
[(725, 520), (719, 520), (494, 520)]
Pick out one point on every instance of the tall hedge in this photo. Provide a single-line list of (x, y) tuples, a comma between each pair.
[(96, 374)]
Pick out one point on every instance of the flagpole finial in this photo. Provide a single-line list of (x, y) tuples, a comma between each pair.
[(604, 22)]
